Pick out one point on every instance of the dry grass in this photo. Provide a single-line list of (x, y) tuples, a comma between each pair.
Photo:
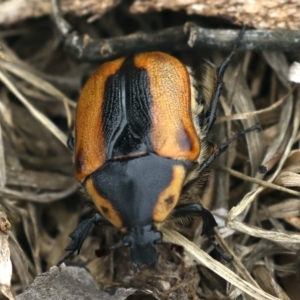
[(39, 194)]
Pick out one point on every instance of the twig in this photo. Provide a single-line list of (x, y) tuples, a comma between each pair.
[(84, 48), (37, 114), (253, 40), (243, 116), (232, 218), (236, 261), (200, 256), (263, 183), (43, 85), (3, 176)]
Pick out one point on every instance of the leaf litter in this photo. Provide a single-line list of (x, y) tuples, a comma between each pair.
[(253, 189)]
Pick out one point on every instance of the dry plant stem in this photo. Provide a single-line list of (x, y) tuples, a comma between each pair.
[(39, 198), (33, 237), (266, 280), (273, 236), (38, 82), (20, 252), (41, 84), (8, 55), (236, 261), (266, 184), (251, 196), (202, 257), (84, 48), (38, 115), (2, 160), (246, 115), (21, 263), (277, 149)]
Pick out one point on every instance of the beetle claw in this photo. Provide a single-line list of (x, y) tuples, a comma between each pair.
[(80, 233), (65, 258), (209, 223), (219, 249)]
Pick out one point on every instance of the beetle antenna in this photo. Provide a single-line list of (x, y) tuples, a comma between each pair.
[(220, 73), (224, 146), (219, 249), (223, 66)]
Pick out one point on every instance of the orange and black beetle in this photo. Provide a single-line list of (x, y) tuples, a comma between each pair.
[(140, 144)]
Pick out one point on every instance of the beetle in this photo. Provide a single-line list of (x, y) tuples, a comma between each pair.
[(141, 142)]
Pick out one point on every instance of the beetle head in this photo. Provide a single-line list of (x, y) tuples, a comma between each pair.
[(141, 241)]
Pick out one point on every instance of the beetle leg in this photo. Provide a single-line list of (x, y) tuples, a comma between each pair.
[(209, 222), (224, 146), (197, 210), (220, 73), (80, 233)]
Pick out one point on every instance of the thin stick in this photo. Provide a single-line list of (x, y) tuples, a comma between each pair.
[(246, 115), (200, 256), (37, 114), (242, 206), (84, 48), (236, 261), (259, 181)]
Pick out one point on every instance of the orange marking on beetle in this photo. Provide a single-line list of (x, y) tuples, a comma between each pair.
[(103, 205), (173, 133), (90, 147), (169, 197)]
